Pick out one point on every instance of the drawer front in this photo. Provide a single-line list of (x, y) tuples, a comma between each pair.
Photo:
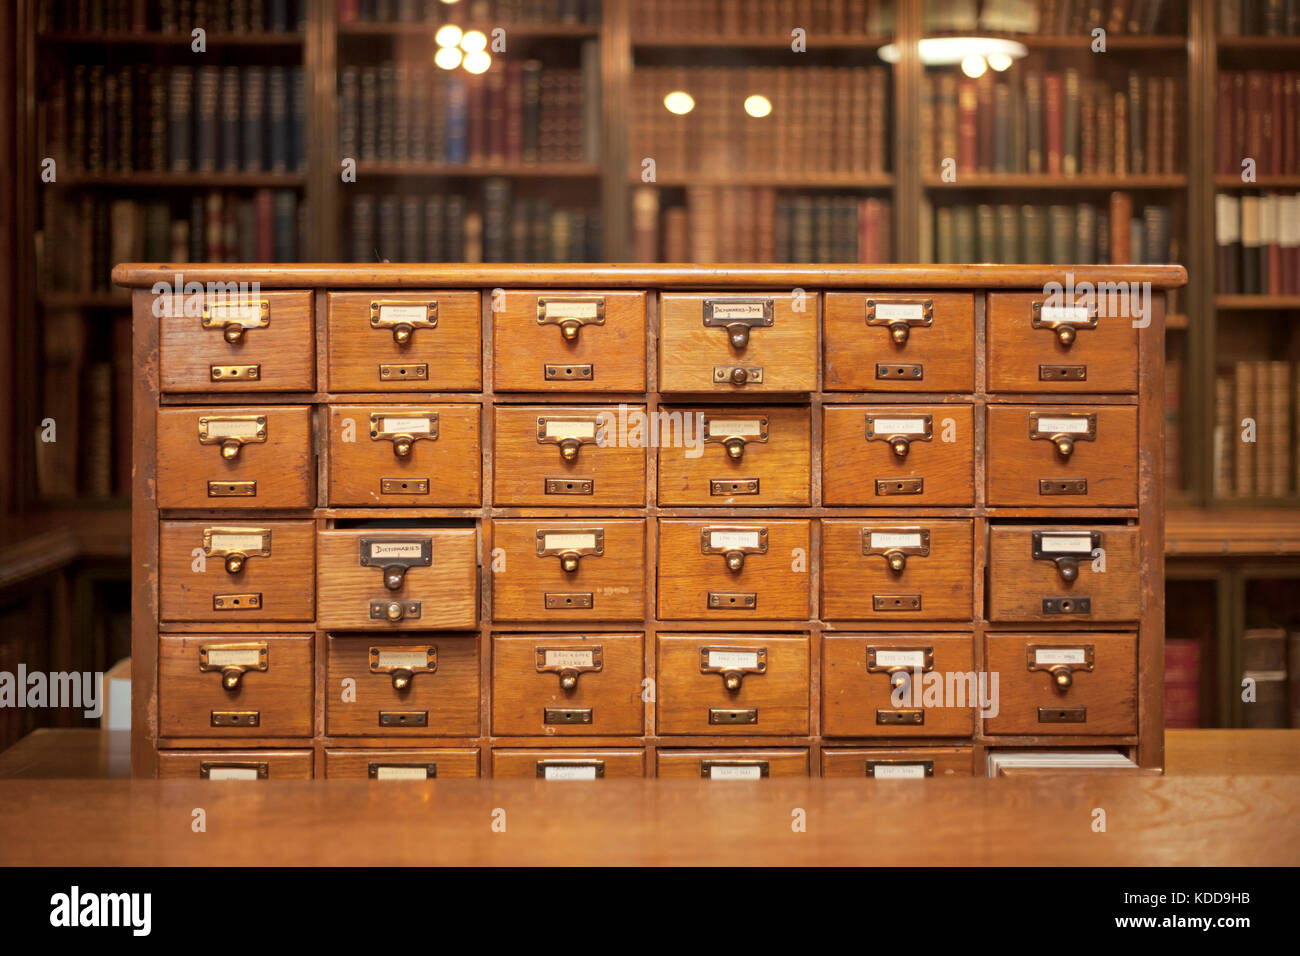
[(734, 455), (900, 341), (898, 764), (1064, 683), (424, 341), (413, 579), (1059, 456), (735, 569), (894, 685), (1063, 573), (591, 569), (404, 455), (235, 685), (234, 571), (240, 343), (403, 686), (569, 455), (732, 764), (235, 458), (550, 764), (898, 455), (442, 763), (576, 341), (567, 684), (737, 343), (1036, 345), (919, 569), (234, 765), (732, 684)]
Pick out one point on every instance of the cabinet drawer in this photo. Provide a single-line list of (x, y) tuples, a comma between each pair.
[(235, 685), (918, 569), (734, 344), (240, 343), (1037, 344), (250, 571), (746, 684), (567, 684), (234, 764), (423, 341), (734, 455), (1063, 683), (577, 341), (732, 764), (398, 578), (900, 341), (737, 569), (568, 455), (898, 764), (1059, 456), (885, 685), (404, 455), (443, 763), (898, 455), (425, 685), (592, 569), (1049, 573), (552, 764), (249, 457)]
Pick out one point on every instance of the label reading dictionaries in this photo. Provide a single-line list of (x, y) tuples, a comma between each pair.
[(231, 428), (739, 310), (410, 660), (395, 549)]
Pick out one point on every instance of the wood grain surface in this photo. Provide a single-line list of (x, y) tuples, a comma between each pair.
[(513, 764), (687, 764), (1018, 582), (1017, 349), (852, 761), (945, 350), (1016, 462), (450, 763), (280, 764)]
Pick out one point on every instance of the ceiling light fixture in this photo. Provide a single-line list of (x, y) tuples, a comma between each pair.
[(948, 51)]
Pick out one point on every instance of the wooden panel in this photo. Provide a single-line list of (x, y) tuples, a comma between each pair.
[(441, 702), (1019, 584), (263, 764), (899, 763), (930, 587), (567, 765), (606, 459), (368, 467), (858, 470), (394, 763), (195, 475), (1017, 463), (197, 359), (773, 584), (451, 353), (1018, 351), (529, 696), (691, 700), (446, 589), (198, 703), (727, 450), (725, 766), (200, 587), (690, 352), (865, 358), (523, 347)]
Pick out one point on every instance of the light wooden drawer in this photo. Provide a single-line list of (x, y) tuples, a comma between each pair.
[(898, 455), (443, 763), (563, 765), (1064, 573), (898, 764), (1040, 344), (220, 765), (915, 569), (723, 765), (900, 341), (1062, 456), (737, 455)]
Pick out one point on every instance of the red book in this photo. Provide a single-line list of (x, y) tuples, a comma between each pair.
[(1276, 136), (1223, 163), (1121, 216), (967, 128), (1257, 108), (1290, 87), (265, 224), (1053, 120)]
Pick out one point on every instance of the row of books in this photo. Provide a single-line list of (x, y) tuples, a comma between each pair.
[(100, 118), (822, 120), (170, 16), (499, 12), (1257, 244), (1182, 681), (1259, 18), (1054, 122), (749, 224), (516, 112), (1254, 414), (448, 228), (84, 236), (1059, 233), (665, 19), (1270, 657), (86, 390), (1256, 119), (1055, 17)]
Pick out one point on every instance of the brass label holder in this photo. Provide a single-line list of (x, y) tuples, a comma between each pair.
[(403, 663), (735, 433), (570, 769), (896, 545), (1064, 320), (569, 663), (900, 431), (570, 313), (236, 545), (571, 546), (899, 769), (235, 318), (900, 316), (734, 769), (232, 432), (733, 663), (404, 430), (402, 771), (570, 434), (232, 661), (1060, 661), (733, 542), (234, 771), (1064, 549), (403, 317), (1063, 429), (396, 556), (739, 316), (899, 662)]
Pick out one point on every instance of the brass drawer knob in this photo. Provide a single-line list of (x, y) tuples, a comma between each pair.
[(739, 375), (402, 333), (1064, 445), (1067, 568), (394, 576), (900, 446), (1062, 676), (570, 329), (233, 333), (234, 563), (735, 448), (1066, 335), (569, 561), (230, 449), (401, 678), (231, 676), (402, 447), (732, 679), (738, 335), (568, 679), (899, 332), (897, 561), (569, 449), (735, 561)]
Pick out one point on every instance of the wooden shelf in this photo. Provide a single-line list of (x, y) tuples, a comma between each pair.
[(779, 41), (36, 544), (1041, 181), (1232, 530), (154, 38), (189, 180), (1235, 302), (776, 180), (481, 170), (522, 31), (1258, 43), (1262, 182)]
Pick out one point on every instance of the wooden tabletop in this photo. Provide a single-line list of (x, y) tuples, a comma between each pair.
[(1231, 797), (1242, 531)]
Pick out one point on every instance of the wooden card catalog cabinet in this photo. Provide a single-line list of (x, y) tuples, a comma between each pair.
[(723, 523)]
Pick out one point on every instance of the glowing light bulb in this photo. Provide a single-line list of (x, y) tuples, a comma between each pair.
[(757, 105), (447, 36), (473, 42), (1000, 61), (477, 62), (448, 58), (679, 102), (974, 66)]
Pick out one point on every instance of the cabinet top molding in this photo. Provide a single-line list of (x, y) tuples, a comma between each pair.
[(656, 276)]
